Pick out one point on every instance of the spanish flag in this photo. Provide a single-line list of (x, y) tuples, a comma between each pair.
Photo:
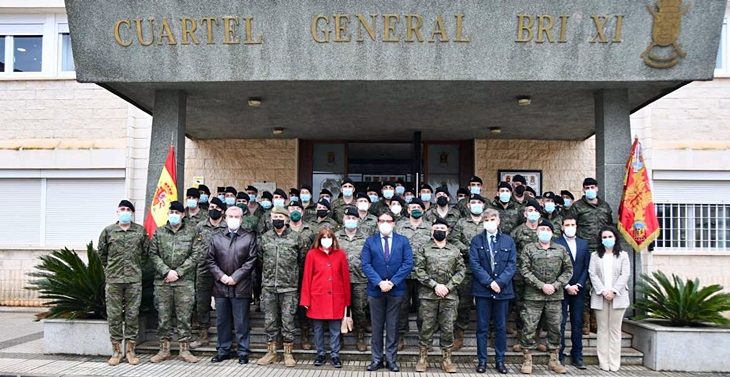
[(637, 216), (165, 194)]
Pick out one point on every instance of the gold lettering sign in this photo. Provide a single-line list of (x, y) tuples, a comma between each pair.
[(667, 15), (540, 28), (188, 31), (389, 27)]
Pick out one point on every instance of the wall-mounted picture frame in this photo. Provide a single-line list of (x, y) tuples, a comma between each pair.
[(533, 178)]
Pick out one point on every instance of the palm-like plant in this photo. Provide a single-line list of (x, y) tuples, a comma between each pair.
[(681, 303), (75, 289)]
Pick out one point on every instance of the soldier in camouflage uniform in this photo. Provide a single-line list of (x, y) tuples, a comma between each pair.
[(310, 205), (351, 239), (307, 235), (193, 213), (278, 199), (204, 233), (440, 269), (175, 261), (123, 249), (265, 205), (368, 222), (442, 209), (348, 199), (280, 257), (229, 197), (323, 216), (553, 212), (510, 212), (546, 268), (204, 197), (248, 221), (519, 188), (475, 188), (388, 191), (418, 233), (396, 207), (254, 208)]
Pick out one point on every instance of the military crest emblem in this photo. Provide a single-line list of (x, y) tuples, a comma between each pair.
[(665, 51)]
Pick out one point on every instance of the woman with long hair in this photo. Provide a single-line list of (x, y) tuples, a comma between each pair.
[(326, 292), (609, 271)]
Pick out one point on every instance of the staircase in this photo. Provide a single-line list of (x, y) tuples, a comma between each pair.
[(467, 354)]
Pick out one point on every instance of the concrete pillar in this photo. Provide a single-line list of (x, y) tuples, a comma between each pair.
[(168, 128)]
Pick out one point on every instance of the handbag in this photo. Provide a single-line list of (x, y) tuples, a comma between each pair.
[(347, 325)]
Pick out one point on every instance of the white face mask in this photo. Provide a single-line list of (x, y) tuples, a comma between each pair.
[(396, 209), (490, 226), (570, 231), (233, 223), (362, 206), (385, 228), (326, 242)]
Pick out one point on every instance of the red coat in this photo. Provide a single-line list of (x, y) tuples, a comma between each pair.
[(325, 284)]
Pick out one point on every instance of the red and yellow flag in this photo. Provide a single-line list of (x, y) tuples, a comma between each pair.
[(165, 194), (637, 216)]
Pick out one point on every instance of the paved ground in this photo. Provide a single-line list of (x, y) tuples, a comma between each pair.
[(21, 354)]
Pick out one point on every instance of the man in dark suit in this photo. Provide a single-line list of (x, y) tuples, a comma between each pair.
[(387, 259), (493, 262), (573, 299)]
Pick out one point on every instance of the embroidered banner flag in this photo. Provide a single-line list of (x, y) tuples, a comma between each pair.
[(165, 194), (637, 216)]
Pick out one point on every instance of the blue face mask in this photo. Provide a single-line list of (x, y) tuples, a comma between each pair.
[(566, 202), (222, 198), (293, 199), (373, 198), (533, 216), (203, 198), (400, 190), (230, 201), (475, 190), (426, 197), (549, 207), (504, 197), (408, 198), (278, 202), (608, 243), (347, 192), (327, 199), (266, 204), (252, 198), (306, 197), (350, 224), (388, 194), (174, 219), (544, 236), (477, 209), (192, 203), (125, 217), (591, 194)]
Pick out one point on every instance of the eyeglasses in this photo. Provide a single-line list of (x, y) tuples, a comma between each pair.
[(385, 221)]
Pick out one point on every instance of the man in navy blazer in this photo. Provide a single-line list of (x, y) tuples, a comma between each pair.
[(574, 294), (493, 262), (387, 259)]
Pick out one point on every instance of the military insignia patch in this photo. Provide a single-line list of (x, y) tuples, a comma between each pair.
[(667, 15)]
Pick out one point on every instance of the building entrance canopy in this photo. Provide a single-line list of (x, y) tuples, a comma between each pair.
[(449, 68)]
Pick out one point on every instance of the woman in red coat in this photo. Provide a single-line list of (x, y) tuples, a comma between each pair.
[(326, 292)]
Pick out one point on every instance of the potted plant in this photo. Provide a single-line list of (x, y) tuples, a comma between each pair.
[(679, 314), (75, 322)]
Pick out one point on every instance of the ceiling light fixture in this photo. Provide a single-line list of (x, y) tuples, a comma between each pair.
[(254, 101), (495, 130), (278, 131), (524, 100)]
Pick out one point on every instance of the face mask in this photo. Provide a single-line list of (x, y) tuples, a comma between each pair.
[(265, 204), (549, 207), (416, 213), (329, 200), (326, 242), (477, 209), (350, 224), (241, 205), (460, 198), (322, 212), (533, 216), (373, 198), (520, 190), (608, 242), (279, 203), (215, 214), (363, 206), (230, 201), (426, 197), (544, 236), (504, 197), (388, 194), (295, 216), (278, 224), (396, 209), (475, 190), (306, 197), (174, 219), (385, 228), (490, 226), (442, 201), (192, 203), (570, 231), (591, 194), (347, 192), (400, 190), (233, 223), (293, 199), (203, 198), (222, 198), (566, 202), (408, 199), (252, 198), (439, 235), (125, 217)]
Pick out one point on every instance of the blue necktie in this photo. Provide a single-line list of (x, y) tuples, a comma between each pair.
[(493, 245), (386, 247)]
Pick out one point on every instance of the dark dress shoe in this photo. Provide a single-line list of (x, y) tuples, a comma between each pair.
[(392, 366), (336, 362), (482, 367), (375, 365), (243, 359), (219, 358), (501, 368), (578, 364), (319, 361)]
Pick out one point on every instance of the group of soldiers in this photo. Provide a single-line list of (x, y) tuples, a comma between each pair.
[(285, 225)]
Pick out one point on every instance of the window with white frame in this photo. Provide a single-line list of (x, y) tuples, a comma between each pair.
[(35, 46), (722, 66)]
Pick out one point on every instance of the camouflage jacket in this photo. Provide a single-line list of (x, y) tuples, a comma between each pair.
[(193, 221), (123, 252), (250, 222), (590, 219), (464, 231), (338, 208), (462, 207), (307, 234), (280, 258), (258, 212), (369, 224), (545, 266), (417, 236), (173, 250), (204, 233), (264, 223), (452, 216), (509, 217), (435, 265), (523, 236), (327, 221), (353, 250), (557, 220), (380, 205), (310, 212)]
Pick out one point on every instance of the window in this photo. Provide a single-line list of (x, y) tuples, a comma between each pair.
[(694, 226), (27, 53), (722, 66), (2, 53), (67, 57), (35, 46)]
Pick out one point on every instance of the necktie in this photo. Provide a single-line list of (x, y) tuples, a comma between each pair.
[(386, 247), (492, 245)]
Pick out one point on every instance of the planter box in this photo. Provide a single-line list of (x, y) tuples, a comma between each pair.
[(699, 349), (76, 337)]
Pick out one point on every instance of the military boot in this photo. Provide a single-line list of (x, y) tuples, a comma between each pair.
[(458, 339), (586, 322), (526, 362), (185, 354), (288, 356), (516, 347), (271, 357), (131, 355), (361, 346), (447, 365), (116, 353), (163, 354), (304, 339), (422, 363), (202, 339), (554, 363), (540, 346)]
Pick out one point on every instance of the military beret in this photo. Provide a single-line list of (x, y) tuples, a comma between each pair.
[(177, 206), (504, 184), (242, 195), (440, 221), (348, 180), (400, 182), (324, 202), (417, 201), (280, 211), (306, 187), (231, 190), (409, 189), (546, 223), (218, 202), (351, 211), (280, 192), (442, 189), (195, 193), (296, 203), (126, 203), (221, 189), (293, 191), (567, 193), (530, 189), (519, 178), (267, 195), (399, 199), (549, 195), (590, 182), (374, 186), (251, 188), (462, 190), (426, 186), (475, 179), (204, 189), (362, 195), (477, 197), (325, 192), (530, 202), (387, 183)]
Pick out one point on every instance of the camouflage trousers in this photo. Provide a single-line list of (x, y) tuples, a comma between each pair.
[(437, 314), (279, 308), (532, 312), (410, 296), (122, 310), (174, 302), (359, 306), (463, 315), (203, 294)]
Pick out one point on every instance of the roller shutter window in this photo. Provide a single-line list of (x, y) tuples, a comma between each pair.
[(21, 217)]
